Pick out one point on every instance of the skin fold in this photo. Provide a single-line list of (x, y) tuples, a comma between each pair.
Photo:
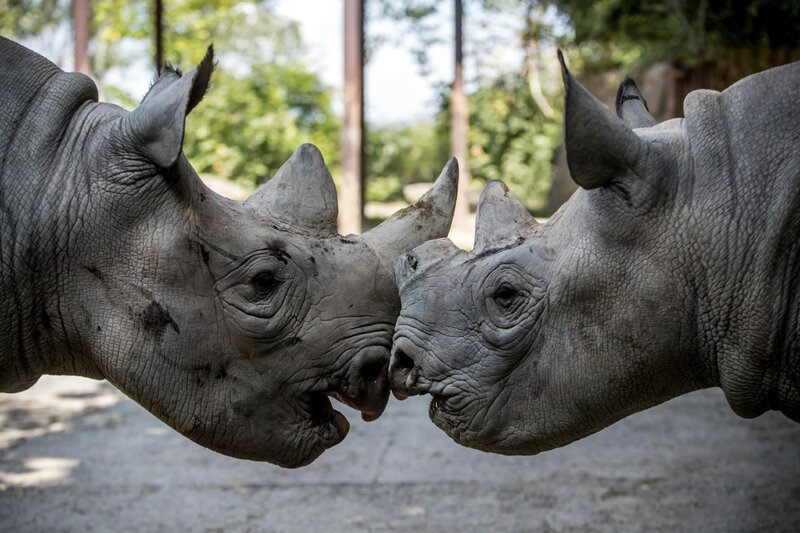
[(233, 322), (673, 268)]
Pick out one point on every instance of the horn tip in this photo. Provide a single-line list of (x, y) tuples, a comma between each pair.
[(451, 170), (448, 179), (565, 74), (308, 149), (495, 188)]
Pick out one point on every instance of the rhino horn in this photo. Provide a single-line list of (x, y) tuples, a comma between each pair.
[(301, 195), (632, 107), (429, 218), (501, 217), (423, 257), (600, 147)]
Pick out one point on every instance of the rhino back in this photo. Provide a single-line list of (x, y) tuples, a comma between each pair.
[(750, 128), (39, 100)]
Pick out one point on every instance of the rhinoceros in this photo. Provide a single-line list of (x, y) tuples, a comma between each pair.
[(233, 322), (674, 267)]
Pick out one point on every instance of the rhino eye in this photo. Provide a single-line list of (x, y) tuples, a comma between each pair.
[(264, 284), (504, 295)]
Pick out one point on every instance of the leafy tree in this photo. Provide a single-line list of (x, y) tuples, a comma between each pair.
[(400, 155), (263, 102), (24, 18), (639, 33), (249, 124), (511, 140), (514, 117)]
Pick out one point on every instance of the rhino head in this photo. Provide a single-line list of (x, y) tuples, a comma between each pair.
[(655, 278), (233, 322)]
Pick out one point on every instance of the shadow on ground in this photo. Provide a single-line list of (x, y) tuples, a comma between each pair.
[(76, 455)]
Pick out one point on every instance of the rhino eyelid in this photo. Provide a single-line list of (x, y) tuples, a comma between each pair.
[(264, 283), (504, 294)]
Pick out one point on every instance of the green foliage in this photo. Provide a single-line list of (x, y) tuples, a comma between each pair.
[(248, 31), (263, 102), (510, 139), (399, 155), (23, 18), (687, 31), (248, 125)]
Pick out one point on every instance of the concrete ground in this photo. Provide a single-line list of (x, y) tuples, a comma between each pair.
[(76, 455)]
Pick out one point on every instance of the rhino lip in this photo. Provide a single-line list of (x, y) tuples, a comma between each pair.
[(321, 409), (321, 413), (367, 414), (437, 401), (399, 395)]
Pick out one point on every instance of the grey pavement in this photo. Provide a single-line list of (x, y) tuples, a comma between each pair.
[(76, 455)]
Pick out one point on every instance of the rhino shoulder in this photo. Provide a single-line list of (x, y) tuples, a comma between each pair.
[(37, 95)]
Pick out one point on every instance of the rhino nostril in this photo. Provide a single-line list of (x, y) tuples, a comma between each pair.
[(402, 363), (373, 370)]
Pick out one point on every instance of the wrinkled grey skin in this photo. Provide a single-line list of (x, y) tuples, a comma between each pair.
[(674, 268), (232, 322)]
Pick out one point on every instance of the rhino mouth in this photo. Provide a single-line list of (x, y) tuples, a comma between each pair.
[(437, 403), (320, 411), (321, 414)]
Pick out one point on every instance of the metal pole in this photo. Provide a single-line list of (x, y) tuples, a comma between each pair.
[(159, 23), (459, 116), (80, 25), (353, 169)]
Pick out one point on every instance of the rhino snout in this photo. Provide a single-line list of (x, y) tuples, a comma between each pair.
[(369, 391), (403, 371)]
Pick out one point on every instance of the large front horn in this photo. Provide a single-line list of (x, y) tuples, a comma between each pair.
[(301, 194), (429, 218), (501, 218)]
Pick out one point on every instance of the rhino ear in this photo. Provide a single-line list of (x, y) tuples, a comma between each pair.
[(501, 218), (601, 148), (301, 195), (157, 125), (632, 107)]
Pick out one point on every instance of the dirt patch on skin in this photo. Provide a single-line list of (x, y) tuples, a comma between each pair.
[(155, 318)]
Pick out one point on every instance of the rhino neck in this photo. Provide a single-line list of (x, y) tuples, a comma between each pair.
[(746, 200), (44, 111)]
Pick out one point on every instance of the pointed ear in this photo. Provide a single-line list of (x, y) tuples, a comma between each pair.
[(632, 107), (601, 148), (157, 125)]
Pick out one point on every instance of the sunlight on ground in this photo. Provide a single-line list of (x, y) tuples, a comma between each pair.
[(40, 471), (50, 405)]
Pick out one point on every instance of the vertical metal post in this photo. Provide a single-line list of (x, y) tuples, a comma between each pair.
[(351, 204), (80, 26), (159, 27), (459, 116)]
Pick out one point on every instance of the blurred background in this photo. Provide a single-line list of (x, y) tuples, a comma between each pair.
[(388, 90)]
